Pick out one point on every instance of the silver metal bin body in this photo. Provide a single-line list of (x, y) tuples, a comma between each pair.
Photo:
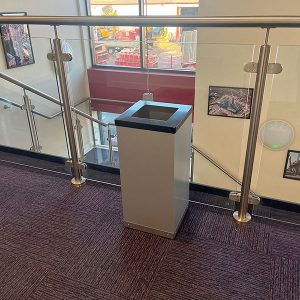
[(154, 141)]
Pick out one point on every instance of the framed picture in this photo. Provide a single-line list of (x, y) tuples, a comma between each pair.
[(16, 43), (292, 165), (230, 102)]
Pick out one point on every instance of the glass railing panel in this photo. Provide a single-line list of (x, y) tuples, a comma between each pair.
[(10, 92), (52, 133), (95, 135), (276, 175), (93, 145), (223, 98), (87, 135), (19, 64), (49, 120), (38, 72), (221, 75), (35, 70), (14, 130), (95, 148)]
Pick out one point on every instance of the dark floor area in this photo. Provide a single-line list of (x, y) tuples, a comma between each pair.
[(62, 242), (94, 172), (100, 156), (90, 173)]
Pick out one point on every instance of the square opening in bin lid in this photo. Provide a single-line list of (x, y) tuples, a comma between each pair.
[(155, 116), (155, 112)]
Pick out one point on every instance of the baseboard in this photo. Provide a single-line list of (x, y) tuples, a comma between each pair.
[(279, 204), (37, 155), (103, 168), (275, 203), (57, 159), (209, 190)]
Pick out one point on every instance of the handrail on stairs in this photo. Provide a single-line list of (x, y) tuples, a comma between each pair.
[(216, 164), (47, 97)]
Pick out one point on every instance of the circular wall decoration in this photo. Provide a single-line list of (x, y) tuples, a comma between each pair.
[(276, 134)]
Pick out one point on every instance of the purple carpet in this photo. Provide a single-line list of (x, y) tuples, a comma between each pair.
[(62, 242)]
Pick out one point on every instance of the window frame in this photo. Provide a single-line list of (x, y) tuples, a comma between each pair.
[(142, 68)]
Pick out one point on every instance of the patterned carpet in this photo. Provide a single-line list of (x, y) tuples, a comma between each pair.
[(62, 242)]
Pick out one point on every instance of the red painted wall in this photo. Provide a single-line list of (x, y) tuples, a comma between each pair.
[(128, 85)]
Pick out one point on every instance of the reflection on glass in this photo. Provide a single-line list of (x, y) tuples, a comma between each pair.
[(99, 153), (108, 118)]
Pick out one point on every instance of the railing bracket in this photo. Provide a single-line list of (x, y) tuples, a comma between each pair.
[(252, 199), (36, 149), (273, 68), (24, 107), (65, 56), (82, 166)]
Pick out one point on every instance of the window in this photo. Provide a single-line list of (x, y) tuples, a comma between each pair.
[(170, 48)]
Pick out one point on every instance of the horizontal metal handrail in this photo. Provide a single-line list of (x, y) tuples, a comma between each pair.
[(29, 88), (10, 102), (85, 115), (216, 21), (48, 97), (58, 113), (212, 161), (21, 107)]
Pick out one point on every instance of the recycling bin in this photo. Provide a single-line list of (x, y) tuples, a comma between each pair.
[(154, 140)]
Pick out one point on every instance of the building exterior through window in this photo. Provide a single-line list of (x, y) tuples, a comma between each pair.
[(167, 48)]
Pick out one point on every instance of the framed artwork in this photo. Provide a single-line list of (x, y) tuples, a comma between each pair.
[(16, 43), (230, 102), (292, 165)]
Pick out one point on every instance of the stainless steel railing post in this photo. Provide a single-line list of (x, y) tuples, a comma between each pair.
[(110, 145), (92, 123), (242, 214), (192, 164), (77, 166), (31, 123), (78, 128)]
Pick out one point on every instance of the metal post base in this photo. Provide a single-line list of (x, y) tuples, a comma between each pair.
[(241, 220), (78, 182)]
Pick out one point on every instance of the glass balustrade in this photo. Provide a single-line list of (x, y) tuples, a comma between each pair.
[(38, 126), (223, 98), (212, 77), (92, 130), (50, 123), (14, 124), (276, 174)]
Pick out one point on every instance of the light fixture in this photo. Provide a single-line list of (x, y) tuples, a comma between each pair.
[(276, 134)]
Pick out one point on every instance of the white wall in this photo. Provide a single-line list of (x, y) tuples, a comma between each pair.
[(221, 64), (41, 75)]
